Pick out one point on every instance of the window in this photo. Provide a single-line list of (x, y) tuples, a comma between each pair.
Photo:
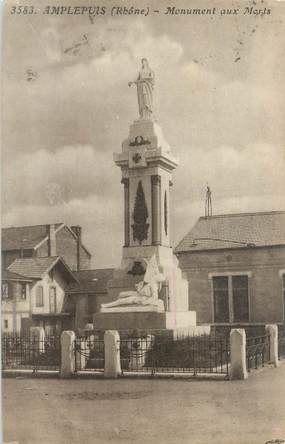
[(231, 298), (240, 298), (24, 292), (27, 253), (39, 296), (52, 299), (5, 290), (221, 298), (5, 323)]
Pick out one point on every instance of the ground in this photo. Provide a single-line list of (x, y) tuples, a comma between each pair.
[(143, 411)]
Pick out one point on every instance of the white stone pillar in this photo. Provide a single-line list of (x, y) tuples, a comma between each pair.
[(272, 330), (126, 183), (37, 335), (238, 354), (67, 354), (112, 354), (156, 209)]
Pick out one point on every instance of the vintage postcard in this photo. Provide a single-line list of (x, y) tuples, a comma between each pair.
[(143, 221)]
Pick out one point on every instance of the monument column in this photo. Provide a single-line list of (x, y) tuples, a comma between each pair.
[(126, 184), (147, 290), (156, 209)]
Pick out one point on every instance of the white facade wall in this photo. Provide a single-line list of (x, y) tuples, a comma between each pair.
[(47, 282), (15, 308)]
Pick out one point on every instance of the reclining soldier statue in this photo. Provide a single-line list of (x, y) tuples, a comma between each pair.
[(146, 292)]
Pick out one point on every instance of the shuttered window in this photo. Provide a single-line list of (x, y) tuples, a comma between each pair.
[(231, 302), (221, 298), (240, 298), (24, 292), (5, 290)]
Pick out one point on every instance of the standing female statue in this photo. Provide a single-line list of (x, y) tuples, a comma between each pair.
[(145, 83)]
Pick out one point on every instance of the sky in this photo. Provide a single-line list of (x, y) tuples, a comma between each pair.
[(219, 99)]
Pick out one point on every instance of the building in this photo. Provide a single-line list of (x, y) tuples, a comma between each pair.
[(235, 266), (38, 264), (33, 294), (16, 307), (87, 294), (45, 240)]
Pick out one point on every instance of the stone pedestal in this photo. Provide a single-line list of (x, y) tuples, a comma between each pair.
[(144, 320)]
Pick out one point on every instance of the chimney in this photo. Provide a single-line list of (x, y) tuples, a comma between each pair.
[(51, 240), (77, 230)]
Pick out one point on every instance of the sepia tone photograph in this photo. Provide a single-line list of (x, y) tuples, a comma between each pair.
[(143, 222)]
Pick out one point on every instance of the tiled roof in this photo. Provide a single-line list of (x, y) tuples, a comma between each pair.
[(91, 281), (235, 231), (7, 275), (35, 267), (15, 238)]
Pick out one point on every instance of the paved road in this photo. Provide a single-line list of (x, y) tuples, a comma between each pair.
[(144, 411)]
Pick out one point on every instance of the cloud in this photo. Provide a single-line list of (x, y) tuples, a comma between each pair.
[(69, 173), (78, 185), (101, 219), (83, 98), (231, 171), (240, 180), (186, 213)]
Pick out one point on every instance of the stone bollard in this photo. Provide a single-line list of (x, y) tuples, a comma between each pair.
[(37, 335), (238, 354), (67, 354), (272, 330), (112, 354)]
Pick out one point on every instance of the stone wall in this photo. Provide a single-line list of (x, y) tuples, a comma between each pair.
[(266, 304)]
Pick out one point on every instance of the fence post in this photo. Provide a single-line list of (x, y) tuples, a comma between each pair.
[(238, 354), (38, 338), (67, 354), (112, 354), (272, 330), (82, 354)]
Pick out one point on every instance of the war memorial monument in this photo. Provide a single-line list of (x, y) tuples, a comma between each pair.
[(147, 291)]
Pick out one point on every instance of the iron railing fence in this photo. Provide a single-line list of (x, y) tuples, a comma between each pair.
[(190, 354), (28, 352), (99, 334), (257, 351), (222, 331), (89, 353), (136, 354)]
